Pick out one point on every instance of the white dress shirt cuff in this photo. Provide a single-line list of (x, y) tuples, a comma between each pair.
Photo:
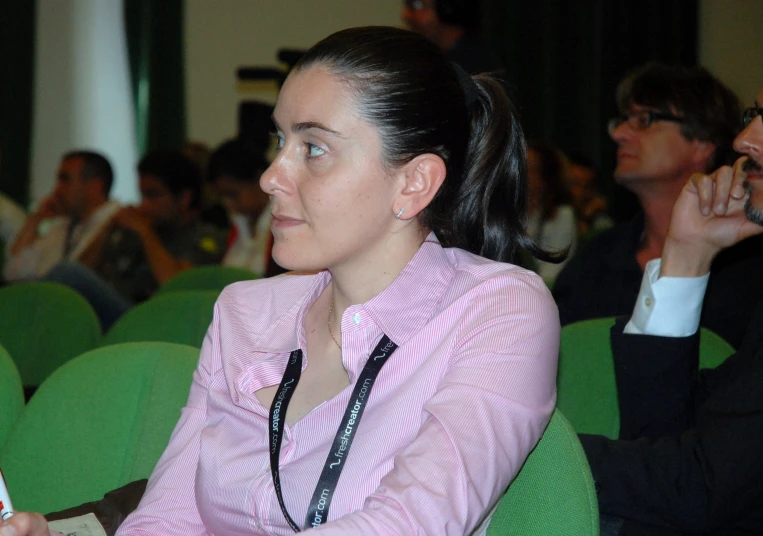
[(667, 306)]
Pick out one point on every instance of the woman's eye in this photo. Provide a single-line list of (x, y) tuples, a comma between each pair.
[(279, 140), (314, 151)]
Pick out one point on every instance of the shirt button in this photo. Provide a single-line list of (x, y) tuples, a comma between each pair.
[(356, 318), (648, 301)]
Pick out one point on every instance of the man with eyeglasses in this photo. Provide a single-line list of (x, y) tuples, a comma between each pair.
[(690, 455), (453, 26), (672, 122)]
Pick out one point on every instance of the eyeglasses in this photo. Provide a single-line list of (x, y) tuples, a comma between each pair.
[(750, 114), (641, 120), (415, 5)]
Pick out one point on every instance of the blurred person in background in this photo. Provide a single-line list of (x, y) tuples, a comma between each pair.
[(235, 168), (590, 205), (551, 220), (12, 218), (144, 246), (67, 220), (673, 122), (211, 208), (453, 25)]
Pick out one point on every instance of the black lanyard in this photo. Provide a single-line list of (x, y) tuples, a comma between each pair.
[(318, 511)]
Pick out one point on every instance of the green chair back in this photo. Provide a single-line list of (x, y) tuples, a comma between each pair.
[(43, 325), (586, 387), (11, 394), (179, 317), (713, 349), (213, 278), (553, 494), (586, 390), (99, 422)]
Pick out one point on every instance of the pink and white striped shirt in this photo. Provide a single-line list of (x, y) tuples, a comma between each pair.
[(449, 422)]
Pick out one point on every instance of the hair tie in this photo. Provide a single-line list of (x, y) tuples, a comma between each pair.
[(467, 83)]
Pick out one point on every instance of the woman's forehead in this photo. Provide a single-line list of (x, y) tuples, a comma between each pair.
[(314, 95)]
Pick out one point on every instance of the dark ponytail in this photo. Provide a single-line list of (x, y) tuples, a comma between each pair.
[(404, 86)]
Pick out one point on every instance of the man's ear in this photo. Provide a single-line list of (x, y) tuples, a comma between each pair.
[(421, 179)]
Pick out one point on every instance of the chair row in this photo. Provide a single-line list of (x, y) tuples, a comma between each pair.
[(43, 325), (103, 419)]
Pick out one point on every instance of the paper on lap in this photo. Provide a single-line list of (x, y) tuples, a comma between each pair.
[(86, 525)]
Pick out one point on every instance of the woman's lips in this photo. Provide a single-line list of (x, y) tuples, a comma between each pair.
[(281, 221)]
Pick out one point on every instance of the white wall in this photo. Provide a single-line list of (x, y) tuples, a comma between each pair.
[(731, 44), (82, 97), (223, 35)]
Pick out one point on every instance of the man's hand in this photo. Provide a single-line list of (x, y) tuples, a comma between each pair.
[(132, 218), (25, 524), (707, 217), (50, 207)]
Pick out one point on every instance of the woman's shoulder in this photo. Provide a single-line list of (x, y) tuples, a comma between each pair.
[(505, 296), (267, 297), (492, 278)]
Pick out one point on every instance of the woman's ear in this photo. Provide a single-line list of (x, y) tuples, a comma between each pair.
[(421, 179)]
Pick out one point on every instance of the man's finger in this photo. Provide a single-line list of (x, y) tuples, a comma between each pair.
[(723, 181), (737, 187), (704, 185)]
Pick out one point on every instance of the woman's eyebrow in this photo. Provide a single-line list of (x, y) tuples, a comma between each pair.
[(307, 125)]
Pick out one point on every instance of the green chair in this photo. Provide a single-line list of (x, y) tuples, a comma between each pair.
[(43, 325), (11, 394), (586, 387), (713, 349), (99, 422), (206, 278), (553, 494), (179, 317)]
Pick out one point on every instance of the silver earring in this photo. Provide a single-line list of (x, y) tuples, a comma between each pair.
[(400, 213)]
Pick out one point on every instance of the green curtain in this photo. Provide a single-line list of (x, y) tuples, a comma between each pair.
[(155, 46), (17, 45), (564, 60)]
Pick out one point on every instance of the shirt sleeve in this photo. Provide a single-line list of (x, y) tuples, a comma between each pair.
[(168, 506), (559, 233), (488, 413), (40, 256), (667, 306)]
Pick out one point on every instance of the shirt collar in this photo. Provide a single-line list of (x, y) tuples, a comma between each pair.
[(399, 311)]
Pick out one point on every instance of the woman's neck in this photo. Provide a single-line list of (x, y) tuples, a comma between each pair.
[(366, 276)]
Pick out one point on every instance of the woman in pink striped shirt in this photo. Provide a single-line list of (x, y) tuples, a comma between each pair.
[(404, 354)]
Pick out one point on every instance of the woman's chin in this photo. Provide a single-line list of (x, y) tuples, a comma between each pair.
[(294, 262)]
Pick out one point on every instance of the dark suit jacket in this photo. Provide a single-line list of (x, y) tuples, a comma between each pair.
[(603, 279), (690, 455)]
